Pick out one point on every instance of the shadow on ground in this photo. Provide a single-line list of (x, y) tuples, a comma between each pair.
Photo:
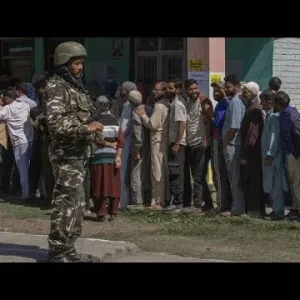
[(15, 200), (23, 251)]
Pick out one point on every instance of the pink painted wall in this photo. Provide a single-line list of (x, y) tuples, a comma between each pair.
[(217, 54), (210, 50), (198, 48)]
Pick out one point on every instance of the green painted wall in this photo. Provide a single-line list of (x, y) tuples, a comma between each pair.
[(38, 55), (98, 49), (101, 49), (251, 59)]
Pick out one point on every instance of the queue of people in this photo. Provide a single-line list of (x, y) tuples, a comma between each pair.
[(164, 147), (157, 154)]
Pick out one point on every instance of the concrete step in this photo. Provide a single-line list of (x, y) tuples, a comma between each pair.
[(19, 247)]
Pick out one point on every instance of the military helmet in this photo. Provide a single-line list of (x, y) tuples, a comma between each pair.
[(67, 50)]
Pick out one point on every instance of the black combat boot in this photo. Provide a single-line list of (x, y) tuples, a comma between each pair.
[(54, 257), (76, 257)]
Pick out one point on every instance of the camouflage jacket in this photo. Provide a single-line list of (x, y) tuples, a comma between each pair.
[(68, 112)]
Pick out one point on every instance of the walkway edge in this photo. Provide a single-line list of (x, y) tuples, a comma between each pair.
[(30, 247)]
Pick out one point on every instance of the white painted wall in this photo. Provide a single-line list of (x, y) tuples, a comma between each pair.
[(286, 66)]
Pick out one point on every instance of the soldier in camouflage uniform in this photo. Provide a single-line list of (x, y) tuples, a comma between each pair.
[(68, 113)]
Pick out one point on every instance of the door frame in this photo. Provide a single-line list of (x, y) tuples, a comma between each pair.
[(159, 54)]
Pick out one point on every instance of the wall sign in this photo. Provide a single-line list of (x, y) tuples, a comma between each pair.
[(195, 65)]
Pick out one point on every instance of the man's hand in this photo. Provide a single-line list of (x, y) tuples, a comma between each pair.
[(140, 110), (243, 162), (118, 161), (137, 157), (111, 145), (208, 110), (175, 149), (268, 161), (95, 126)]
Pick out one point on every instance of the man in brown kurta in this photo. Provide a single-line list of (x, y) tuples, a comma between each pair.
[(251, 167), (158, 125)]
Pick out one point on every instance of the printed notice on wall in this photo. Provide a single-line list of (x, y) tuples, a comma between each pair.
[(195, 65), (202, 79), (215, 78)]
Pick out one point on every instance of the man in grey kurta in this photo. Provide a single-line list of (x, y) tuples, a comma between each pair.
[(137, 153), (125, 124), (232, 142), (274, 179)]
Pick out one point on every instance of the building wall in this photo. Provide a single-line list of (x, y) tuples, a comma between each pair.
[(286, 66), (100, 52), (99, 57), (38, 55), (251, 59)]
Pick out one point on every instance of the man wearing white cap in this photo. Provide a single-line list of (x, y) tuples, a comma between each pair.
[(251, 167)]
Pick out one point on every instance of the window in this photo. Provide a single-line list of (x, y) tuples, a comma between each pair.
[(17, 57), (172, 67), (147, 44), (172, 44), (147, 69), (17, 48), (160, 58)]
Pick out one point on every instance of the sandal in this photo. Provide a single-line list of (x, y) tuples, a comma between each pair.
[(155, 207)]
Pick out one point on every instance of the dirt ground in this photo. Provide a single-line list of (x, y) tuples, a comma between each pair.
[(206, 237)]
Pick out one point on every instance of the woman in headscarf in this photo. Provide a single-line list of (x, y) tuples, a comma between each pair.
[(106, 162), (251, 167)]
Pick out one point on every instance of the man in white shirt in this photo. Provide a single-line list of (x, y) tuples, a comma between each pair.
[(16, 115), (21, 95)]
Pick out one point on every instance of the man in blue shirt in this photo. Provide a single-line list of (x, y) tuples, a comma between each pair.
[(36, 88), (232, 143), (290, 131), (220, 177)]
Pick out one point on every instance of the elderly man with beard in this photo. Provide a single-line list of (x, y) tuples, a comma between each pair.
[(251, 167), (125, 124), (158, 124), (232, 142)]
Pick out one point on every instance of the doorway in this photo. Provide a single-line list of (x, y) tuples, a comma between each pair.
[(159, 59)]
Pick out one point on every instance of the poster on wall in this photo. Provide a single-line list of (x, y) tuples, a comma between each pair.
[(195, 65), (214, 77), (202, 79), (117, 48)]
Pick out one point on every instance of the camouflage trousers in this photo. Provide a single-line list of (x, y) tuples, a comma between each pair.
[(67, 204)]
